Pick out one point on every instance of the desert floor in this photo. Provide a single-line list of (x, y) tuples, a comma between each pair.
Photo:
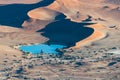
[(93, 57)]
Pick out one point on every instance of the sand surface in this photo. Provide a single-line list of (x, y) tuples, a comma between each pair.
[(90, 52), (46, 14), (100, 32), (43, 14)]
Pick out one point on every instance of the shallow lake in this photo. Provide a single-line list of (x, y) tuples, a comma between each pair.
[(42, 48)]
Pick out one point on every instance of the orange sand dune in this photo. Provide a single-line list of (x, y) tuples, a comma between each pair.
[(99, 33), (43, 14), (78, 12), (40, 15), (70, 8), (39, 18)]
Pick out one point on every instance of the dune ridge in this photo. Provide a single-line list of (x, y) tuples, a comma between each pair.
[(43, 14), (99, 33), (51, 11), (89, 56), (78, 12)]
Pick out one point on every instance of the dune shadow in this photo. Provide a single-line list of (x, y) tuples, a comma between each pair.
[(15, 14), (66, 32), (60, 17)]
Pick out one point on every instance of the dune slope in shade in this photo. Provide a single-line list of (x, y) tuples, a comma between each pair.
[(45, 14), (99, 33), (10, 15), (66, 32)]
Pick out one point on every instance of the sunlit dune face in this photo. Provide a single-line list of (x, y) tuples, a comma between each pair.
[(43, 14), (99, 33), (65, 4)]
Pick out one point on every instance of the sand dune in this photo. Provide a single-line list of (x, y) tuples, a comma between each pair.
[(12, 36), (43, 14), (50, 12), (82, 63), (71, 11), (99, 33), (76, 12)]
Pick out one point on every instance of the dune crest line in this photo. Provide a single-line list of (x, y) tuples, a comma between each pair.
[(99, 33), (99, 29)]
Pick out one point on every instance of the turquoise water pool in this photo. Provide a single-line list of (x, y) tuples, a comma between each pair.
[(42, 48)]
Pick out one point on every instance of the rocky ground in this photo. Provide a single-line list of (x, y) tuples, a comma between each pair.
[(83, 64), (97, 59)]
